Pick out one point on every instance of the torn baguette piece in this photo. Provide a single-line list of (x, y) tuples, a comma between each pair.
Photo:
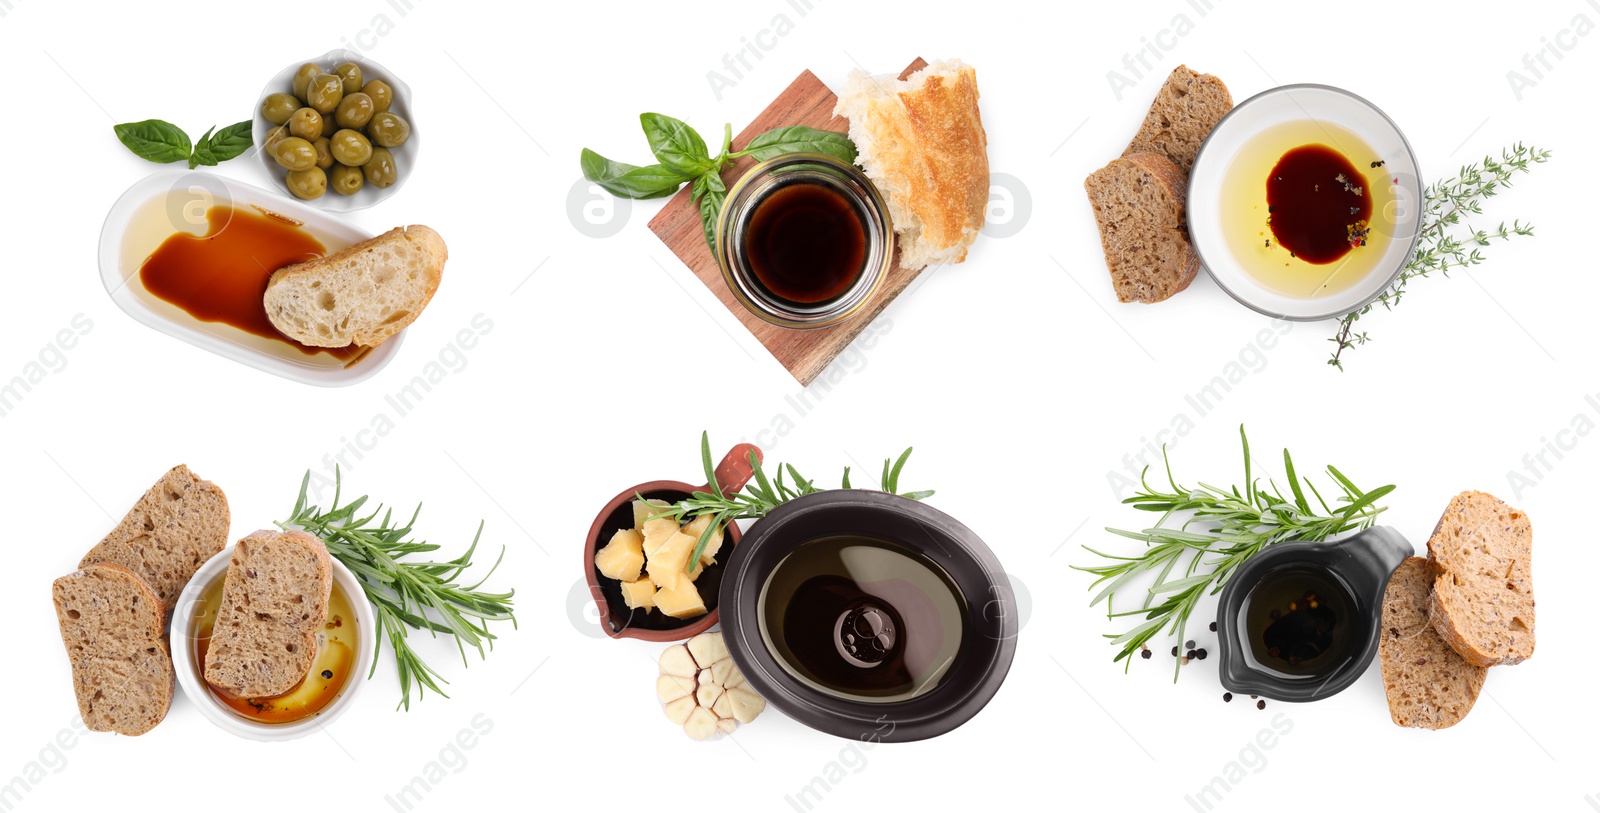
[(111, 624), (1186, 109), (361, 295), (274, 603), (1482, 603), (1427, 683), (921, 141), (180, 523), (1139, 203)]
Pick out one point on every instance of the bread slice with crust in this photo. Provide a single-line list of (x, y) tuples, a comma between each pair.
[(111, 624), (1185, 110), (1482, 605), (1427, 683), (172, 530), (362, 295), (922, 142), (1139, 202), (274, 602)]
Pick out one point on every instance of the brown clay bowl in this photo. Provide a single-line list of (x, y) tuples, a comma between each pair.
[(616, 618)]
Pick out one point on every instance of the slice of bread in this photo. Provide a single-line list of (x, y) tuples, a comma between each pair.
[(922, 142), (172, 530), (274, 602), (1428, 684), (1482, 605), (1139, 203), (111, 624), (361, 295), (1187, 106)]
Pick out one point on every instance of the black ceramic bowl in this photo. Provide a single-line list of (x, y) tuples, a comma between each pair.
[(964, 680), (1359, 567)]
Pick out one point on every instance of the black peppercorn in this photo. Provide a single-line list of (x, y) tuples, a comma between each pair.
[(1174, 652), (1188, 644), (1261, 704), (327, 674), (1227, 697), (1144, 653), (1200, 653), (1213, 626)]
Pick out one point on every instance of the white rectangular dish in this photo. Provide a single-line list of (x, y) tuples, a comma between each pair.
[(168, 202)]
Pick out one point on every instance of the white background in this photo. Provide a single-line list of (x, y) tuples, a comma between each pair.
[(1019, 379)]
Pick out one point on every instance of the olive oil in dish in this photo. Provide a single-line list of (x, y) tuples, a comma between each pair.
[(221, 275), (1300, 621), (863, 619), (1307, 208), (333, 667)]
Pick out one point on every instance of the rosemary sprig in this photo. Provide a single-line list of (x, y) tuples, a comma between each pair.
[(1221, 528), (762, 494), (1447, 203), (405, 595)]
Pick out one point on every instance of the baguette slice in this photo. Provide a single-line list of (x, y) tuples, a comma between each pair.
[(172, 530), (361, 295), (1139, 203), (274, 601), (1482, 605), (922, 142), (111, 624), (1428, 684), (1186, 108)]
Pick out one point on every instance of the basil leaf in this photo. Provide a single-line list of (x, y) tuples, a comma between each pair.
[(154, 140), (676, 144), (785, 140), (629, 181), (710, 210), (231, 141), (202, 151), (709, 181)]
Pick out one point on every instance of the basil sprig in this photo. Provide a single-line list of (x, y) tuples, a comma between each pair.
[(683, 157), (164, 143)]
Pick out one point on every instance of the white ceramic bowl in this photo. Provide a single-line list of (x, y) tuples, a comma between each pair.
[(167, 202), (405, 155), (190, 670), (1278, 106)]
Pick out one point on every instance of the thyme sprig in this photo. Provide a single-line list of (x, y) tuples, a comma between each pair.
[(1447, 203), (762, 494), (405, 595), (1221, 528)]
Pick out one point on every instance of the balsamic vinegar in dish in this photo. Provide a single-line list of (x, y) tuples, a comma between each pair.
[(1300, 621), (806, 243), (863, 619)]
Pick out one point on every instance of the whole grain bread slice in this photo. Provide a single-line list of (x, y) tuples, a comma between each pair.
[(1139, 202), (1482, 604), (1185, 109), (172, 530), (274, 602), (111, 624), (362, 295), (1427, 683)]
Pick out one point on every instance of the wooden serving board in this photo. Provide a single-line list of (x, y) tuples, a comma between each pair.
[(804, 353)]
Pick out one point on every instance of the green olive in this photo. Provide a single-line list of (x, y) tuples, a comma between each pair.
[(324, 93), (306, 123), (389, 130), (347, 180), (295, 154), (349, 75), (382, 95), (351, 148), (307, 184), (302, 78), (278, 107), (274, 137), (324, 152), (380, 171), (355, 110)]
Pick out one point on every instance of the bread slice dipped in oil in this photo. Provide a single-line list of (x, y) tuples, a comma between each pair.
[(1427, 683), (362, 295), (172, 530), (1482, 603), (112, 624), (921, 141), (274, 602), (1139, 203)]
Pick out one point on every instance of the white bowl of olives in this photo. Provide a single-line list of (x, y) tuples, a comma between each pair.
[(336, 131)]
